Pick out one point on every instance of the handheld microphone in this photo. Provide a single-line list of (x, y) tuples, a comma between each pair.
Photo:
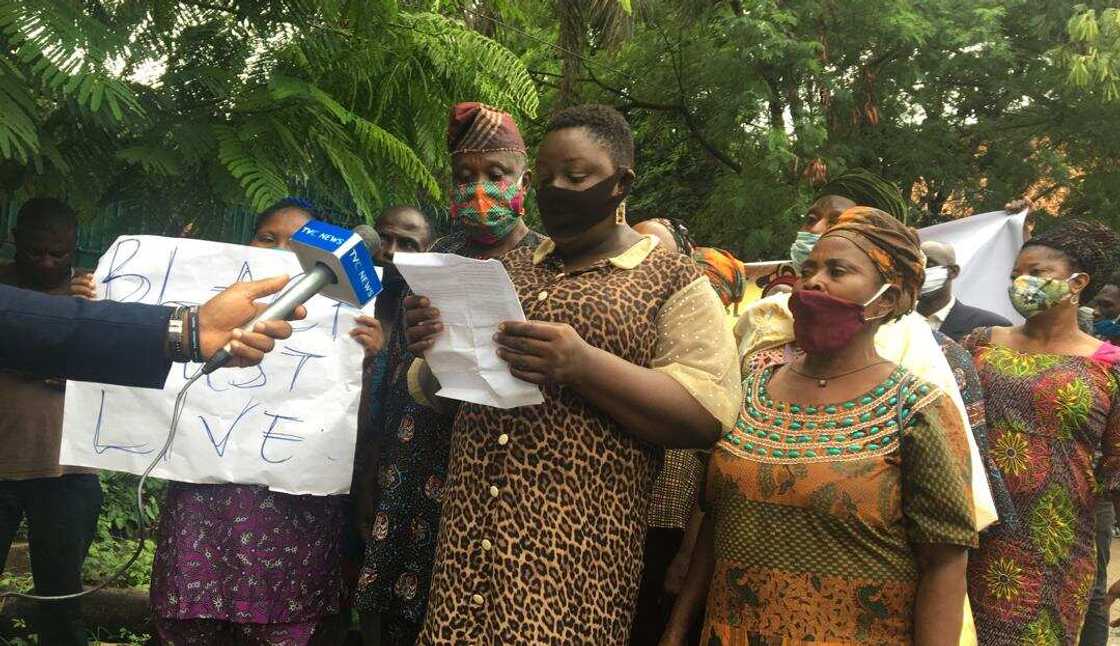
[(335, 261)]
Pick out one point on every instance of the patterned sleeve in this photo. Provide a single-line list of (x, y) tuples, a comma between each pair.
[(936, 477), (696, 349), (1108, 469)]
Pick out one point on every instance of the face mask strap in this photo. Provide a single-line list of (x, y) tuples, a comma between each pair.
[(878, 294)]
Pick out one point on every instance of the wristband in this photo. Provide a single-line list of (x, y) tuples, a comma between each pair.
[(195, 336), (174, 345)]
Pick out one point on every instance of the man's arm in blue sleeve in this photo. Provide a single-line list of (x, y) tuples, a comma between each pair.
[(103, 341)]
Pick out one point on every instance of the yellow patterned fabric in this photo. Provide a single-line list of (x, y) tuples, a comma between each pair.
[(816, 509), (696, 350)]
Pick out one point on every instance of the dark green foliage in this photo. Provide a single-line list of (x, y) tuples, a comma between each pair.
[(186, 108)]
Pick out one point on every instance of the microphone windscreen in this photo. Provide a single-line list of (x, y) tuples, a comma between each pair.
[(369, 237)]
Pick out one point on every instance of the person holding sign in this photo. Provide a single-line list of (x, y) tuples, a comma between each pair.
[(544, 511), (240, 563)]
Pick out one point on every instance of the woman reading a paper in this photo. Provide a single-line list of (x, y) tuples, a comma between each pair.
[(545, 507)]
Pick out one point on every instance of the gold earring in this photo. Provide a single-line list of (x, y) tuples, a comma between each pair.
[(620, 214)]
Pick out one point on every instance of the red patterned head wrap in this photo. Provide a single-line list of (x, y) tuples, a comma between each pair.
[(479, 128)]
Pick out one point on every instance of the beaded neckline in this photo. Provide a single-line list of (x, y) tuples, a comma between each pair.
[(774, 431)]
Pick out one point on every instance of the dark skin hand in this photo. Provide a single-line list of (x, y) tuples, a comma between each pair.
[(939, 603), (694, 592), (648, 404), (220, 318)]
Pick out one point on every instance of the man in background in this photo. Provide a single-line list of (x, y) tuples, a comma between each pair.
[(401, 228), (937, 303), (60, 503), (1106, 311)]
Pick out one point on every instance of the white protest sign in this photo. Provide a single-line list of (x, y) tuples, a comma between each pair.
[(986, 246), (288, 424)]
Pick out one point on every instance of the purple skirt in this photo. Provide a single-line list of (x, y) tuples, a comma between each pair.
[(244, 554)]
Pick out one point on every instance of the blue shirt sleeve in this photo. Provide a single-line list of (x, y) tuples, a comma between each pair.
[(102, 341)]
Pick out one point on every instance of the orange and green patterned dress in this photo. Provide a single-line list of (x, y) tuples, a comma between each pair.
[(816, 509), (1048, 415)]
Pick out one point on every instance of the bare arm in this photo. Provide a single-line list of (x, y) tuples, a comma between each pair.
[(939, 605), (695, 591), (678, 568)]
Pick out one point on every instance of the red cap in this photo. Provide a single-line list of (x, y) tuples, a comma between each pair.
[(479, 128)]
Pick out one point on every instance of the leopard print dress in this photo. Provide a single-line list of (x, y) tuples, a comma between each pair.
[(545, 506)]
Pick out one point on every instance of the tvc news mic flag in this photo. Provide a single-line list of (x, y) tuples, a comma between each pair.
[(288, 424)]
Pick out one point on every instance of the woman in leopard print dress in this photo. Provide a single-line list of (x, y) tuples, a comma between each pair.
[(545, 506)]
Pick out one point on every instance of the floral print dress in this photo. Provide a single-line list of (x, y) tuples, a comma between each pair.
[(1048, 414)]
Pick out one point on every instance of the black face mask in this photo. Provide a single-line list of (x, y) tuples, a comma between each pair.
[(566, 213)]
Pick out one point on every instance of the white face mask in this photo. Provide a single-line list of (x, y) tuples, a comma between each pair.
[(936, 277)]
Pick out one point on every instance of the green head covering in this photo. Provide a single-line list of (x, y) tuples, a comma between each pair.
[(867, 189)]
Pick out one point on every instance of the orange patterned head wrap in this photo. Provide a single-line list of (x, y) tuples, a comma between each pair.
[(727, 273), (892, 246)]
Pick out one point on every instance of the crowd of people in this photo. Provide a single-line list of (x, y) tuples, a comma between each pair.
[(856, 458)]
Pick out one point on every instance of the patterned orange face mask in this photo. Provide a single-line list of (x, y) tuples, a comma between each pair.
[(487, 210)]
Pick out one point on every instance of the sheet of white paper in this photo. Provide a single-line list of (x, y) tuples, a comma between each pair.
[(288, 424), (986, 246), (473, 297)]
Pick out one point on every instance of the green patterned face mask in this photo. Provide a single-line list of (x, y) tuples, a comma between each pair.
[(487, 210), (1033, 294)]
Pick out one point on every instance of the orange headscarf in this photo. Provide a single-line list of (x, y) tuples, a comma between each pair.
[(727, 273), (892, 246)]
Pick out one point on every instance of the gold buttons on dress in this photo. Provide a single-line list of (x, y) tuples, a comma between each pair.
[(543, 295), (487, 545), (503, 439), (493, 491), (477, 599)]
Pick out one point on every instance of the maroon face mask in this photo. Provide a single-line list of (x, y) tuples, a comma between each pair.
[(824, 324)]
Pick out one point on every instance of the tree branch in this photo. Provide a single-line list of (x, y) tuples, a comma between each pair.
[(676, 108)]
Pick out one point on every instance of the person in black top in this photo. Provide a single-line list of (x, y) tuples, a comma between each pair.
[(937, 303)]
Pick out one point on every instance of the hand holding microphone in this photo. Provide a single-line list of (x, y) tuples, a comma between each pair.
[(219, 317)]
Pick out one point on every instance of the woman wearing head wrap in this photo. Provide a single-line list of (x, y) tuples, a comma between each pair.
[(240, 564), (406, 466), (840, 507), (1052, 403)]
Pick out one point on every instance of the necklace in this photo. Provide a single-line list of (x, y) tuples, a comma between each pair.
[(823, 381)]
